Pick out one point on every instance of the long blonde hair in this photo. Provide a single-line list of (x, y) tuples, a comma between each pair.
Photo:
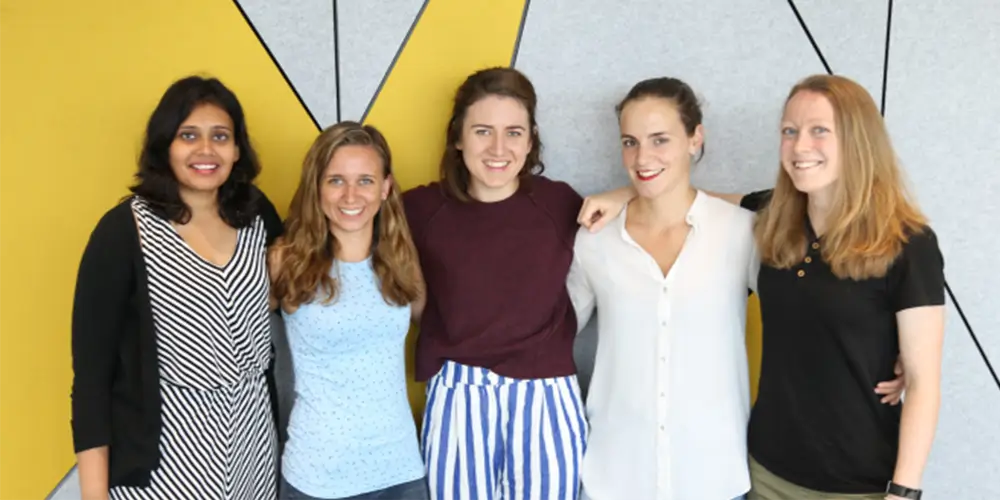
[(871, 216), (307, 250)]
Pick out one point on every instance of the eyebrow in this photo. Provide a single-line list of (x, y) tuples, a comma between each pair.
[(213, 127), (654, 134), (511, 127)]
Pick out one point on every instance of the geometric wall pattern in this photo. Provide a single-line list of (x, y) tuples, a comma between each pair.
[(937, 80)]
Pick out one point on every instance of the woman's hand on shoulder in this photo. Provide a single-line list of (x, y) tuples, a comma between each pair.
[(600, 208)]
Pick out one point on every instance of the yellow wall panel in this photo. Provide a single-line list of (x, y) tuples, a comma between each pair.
[(79, 80)]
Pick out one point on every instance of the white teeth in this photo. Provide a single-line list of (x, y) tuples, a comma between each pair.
[(351, 212), (647, 174), (805, 164), (204, 166), (496, 164)]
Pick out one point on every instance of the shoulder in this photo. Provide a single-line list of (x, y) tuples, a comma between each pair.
[(117, 224), (732, 216), (424, 194), (757, 200), (425, 198), (556, 192), (596, 243), (268, 214), (922, 248), (916, 278)]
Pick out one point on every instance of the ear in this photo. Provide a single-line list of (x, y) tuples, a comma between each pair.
[(697, 140), (386, 187)]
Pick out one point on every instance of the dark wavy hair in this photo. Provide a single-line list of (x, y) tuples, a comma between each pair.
[(155, 180), (505, 82)]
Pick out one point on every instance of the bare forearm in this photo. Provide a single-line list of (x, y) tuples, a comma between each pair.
[(916, 433), (92, 467)]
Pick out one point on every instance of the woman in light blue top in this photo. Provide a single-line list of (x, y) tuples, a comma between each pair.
[(346, 277)]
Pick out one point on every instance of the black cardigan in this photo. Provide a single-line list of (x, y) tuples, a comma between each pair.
[(116, 383)]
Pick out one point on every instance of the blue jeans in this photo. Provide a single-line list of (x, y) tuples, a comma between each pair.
[(413, 490)]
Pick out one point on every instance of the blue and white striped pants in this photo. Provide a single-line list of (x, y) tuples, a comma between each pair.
[(490, 437)]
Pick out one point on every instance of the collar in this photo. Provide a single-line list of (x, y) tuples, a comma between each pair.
[(695, 216)]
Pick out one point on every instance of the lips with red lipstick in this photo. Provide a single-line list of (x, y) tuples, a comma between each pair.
[(646, 175)]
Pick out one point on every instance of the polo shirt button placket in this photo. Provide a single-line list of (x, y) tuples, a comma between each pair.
[(808, 260)]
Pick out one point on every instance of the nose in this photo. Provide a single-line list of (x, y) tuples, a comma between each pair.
[(643, 155), (496, 145), (803, 143), (350, 193), (205, 144)]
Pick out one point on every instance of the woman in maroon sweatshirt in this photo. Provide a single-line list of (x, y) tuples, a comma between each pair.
[(504, 417)]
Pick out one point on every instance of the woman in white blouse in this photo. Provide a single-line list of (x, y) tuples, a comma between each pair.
[(669, 398)]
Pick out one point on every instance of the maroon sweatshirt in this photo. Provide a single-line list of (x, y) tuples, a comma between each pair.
[(496, 279)]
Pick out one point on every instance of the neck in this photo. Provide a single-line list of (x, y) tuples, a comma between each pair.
[(818, 208), (491, 195), (667, 210), (353, 246), (202, 204)]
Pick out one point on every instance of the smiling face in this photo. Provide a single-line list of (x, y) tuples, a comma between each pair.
[(656, 149), (203, 151), (810, 151), (495, 142), (352, 188)]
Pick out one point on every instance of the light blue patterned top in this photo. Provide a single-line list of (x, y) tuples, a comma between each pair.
[(351, 430)]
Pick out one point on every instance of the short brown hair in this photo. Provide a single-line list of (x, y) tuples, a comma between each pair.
[(506, 82)]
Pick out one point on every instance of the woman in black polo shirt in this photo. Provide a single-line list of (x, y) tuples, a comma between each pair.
[(851, 277)]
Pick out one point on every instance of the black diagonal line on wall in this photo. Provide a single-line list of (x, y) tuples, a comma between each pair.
[(402, 45), (278, 64), (885, 62), (520, 31), (812, 41), (336, 57), (975, 340)]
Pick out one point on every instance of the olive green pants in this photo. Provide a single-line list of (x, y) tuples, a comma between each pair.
[(767, 486)]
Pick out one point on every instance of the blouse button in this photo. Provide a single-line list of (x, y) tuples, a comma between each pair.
[(808, 259), (801, 273), (815, 245)]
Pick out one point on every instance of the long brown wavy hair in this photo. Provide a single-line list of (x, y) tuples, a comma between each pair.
[(872, 215), (305, 253)]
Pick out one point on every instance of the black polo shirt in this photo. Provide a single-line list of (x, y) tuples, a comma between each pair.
[(827, 342)]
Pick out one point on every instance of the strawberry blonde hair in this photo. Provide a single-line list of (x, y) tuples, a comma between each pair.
[(306, 251), (872, 215)]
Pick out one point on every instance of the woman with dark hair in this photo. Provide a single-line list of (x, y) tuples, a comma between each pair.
[(171, 341), (347, 280), (504, 417)]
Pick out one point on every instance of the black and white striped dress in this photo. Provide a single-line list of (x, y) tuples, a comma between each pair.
[(213, 344)]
